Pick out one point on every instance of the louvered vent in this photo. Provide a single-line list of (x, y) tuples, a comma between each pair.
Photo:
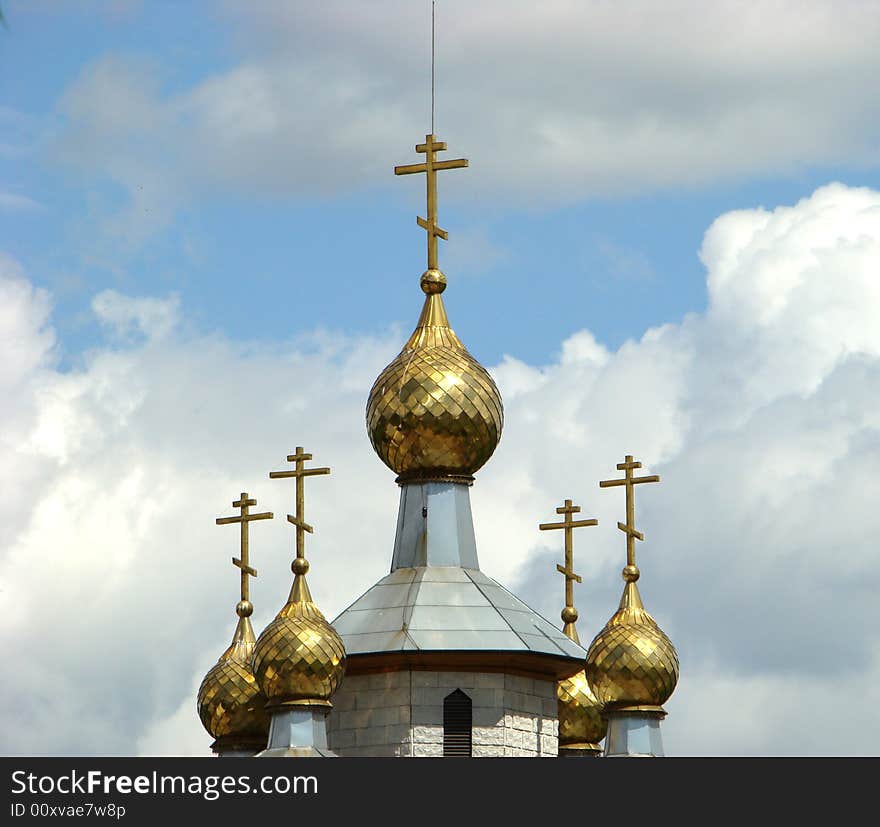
[(457, 721)]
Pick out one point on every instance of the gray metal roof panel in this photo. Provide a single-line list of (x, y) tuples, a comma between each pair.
[(442, 574), (399, 576), (376, 642), (468, 640), (451, 594), (457, 618), (447, 609), (363, 621), (383, 596), (501, 598)]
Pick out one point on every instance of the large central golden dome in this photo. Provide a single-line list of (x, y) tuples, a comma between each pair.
[(434, 412)]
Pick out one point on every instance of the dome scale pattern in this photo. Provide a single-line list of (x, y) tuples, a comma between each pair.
[(581, 722), (299, 658), (434, 412), (631, 662), (231, 706)]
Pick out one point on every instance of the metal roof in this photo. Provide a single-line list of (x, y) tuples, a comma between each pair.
[(447, 608)]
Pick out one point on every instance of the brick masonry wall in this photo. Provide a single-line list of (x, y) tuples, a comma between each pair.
[(401, 714)]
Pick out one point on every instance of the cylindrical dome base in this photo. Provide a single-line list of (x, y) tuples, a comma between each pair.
[(634, 733)]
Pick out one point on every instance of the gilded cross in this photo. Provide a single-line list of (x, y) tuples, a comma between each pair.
[(628, 466), (430, 167), (300, 472), (244, 518), (569, 613)]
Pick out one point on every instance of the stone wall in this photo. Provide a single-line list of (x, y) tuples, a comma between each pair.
[(401, 714)]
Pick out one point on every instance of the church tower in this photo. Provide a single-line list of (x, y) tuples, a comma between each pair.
[(442, 659), (438, 659)]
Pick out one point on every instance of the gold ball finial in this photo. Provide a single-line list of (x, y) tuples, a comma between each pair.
[(299, 565), (244, 608), (569, 614), (432, 282), (631, 573)]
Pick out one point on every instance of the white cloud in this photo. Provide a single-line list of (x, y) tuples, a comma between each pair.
[(551, 104), (762, 416), (125, 316)]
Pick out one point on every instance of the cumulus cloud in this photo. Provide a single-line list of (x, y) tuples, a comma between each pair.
[(126, 316), (762, 416), (580, 99)]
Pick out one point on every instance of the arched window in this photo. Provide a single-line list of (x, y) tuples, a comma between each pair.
[(457, 721)]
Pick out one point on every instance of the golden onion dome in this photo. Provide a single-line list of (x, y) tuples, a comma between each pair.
[(231, 706), (299, 659), (631, 663), (582, 723), (434, 411)]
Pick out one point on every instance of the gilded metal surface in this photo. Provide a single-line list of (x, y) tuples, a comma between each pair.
[(631, 662), (581, 721), (569, 613), (629, 481), (231, 706), (434, 412), (430, 167), (299, 658), (300, 472), (229, 700), (243, 519)]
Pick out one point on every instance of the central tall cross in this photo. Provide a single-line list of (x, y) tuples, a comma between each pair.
[(244, 518), (569, 613), (300, 473), (430, 167), (628, 466)]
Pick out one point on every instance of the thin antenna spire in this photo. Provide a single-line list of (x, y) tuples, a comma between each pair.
[(432, 67)]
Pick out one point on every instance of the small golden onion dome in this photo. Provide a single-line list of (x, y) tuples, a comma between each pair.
[(434, 411), (231, 706), (631, 663), (582, 723), (299, 659)]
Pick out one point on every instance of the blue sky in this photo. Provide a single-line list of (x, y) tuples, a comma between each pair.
[(257, 264), (667, 244)]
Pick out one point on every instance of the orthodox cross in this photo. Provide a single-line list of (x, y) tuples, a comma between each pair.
[(244, 518), (628, 466), (430, 167), (300, 473), (569, 613)]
